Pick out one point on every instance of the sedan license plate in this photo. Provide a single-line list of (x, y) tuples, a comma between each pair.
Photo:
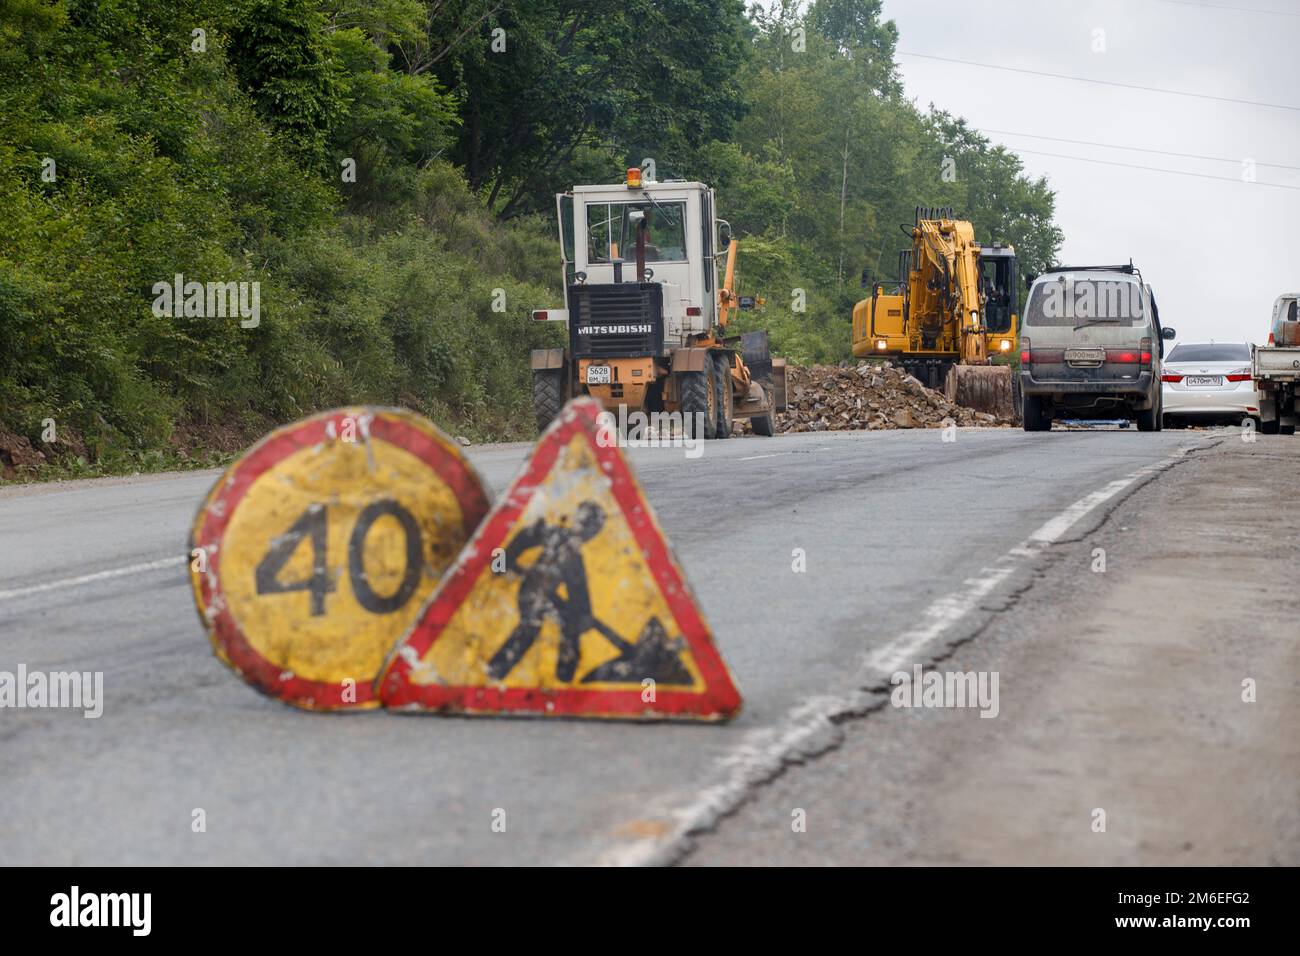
[(598, 375), (1203, 381)]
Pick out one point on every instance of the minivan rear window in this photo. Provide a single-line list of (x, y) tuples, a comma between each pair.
[(1210, 352), (1069, 300)]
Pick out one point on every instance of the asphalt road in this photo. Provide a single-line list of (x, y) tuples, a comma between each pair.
[(914, 546)]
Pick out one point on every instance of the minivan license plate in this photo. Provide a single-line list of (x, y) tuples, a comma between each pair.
[(1085, 356)]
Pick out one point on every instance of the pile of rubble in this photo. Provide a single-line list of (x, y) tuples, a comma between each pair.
[(17, 456), (867, 396)]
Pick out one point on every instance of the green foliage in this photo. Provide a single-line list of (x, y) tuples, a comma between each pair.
[(133, 149), (168, 161), (279, 54)]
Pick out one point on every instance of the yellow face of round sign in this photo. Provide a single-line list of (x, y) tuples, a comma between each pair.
[(316, 550)]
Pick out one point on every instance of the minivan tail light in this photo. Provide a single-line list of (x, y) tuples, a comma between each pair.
[(1122, 356), (1025, 357)]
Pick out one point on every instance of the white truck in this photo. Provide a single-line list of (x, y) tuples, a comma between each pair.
[(1276, 368)]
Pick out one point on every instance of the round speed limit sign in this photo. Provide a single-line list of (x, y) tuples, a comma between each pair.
[(316, 550)]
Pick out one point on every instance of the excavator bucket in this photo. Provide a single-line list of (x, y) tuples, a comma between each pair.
[(985, 388)]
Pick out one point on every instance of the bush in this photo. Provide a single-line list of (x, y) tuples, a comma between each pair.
[(165, 163)]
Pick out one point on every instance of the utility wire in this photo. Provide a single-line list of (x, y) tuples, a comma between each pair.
[(1087, 79), (1156, 169), (1219, 6), (1135, 149)]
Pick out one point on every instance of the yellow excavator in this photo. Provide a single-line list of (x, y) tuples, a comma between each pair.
[(953, 311)]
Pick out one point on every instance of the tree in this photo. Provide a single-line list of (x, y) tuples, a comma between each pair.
[(830, 159), (566, 80), (279, 54)]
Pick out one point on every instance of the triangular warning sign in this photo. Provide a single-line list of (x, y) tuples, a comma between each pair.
[(567, 601)]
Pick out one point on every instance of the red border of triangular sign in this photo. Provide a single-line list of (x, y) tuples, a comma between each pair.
[(718, 700)]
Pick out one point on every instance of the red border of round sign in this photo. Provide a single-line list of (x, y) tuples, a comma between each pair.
[(386, 425), (719, 699)]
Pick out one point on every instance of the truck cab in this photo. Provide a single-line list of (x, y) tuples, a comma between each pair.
[(1275, 369), (1285, 327)]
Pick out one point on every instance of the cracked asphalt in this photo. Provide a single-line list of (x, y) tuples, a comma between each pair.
[(1120, 690)]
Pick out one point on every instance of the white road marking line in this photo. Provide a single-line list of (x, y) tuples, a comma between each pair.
[(810, 727), (92, 578), (775, 454), (941, 615), (1052, 531)]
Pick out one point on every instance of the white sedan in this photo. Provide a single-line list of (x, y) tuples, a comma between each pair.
[(1205, 382)]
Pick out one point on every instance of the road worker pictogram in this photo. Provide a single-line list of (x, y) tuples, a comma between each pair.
[(568, 601), (316, 550)]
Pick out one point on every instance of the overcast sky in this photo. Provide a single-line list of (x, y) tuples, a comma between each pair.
[(1216, 253)]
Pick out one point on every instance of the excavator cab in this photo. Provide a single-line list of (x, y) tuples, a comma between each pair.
[(997, 265)]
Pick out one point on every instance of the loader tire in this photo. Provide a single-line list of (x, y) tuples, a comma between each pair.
[(548, 395), (724, 400), (695, 392)]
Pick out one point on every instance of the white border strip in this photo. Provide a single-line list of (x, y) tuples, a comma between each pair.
[(92, 578)]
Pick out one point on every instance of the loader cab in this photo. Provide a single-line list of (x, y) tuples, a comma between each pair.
[(612, 231), (599, 227)]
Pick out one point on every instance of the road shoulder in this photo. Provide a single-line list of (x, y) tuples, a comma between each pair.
[(1120, 690)]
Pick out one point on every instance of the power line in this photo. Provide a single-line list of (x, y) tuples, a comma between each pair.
[(1136, 149), (1087, 79), (1155, 169), (1219, 6)]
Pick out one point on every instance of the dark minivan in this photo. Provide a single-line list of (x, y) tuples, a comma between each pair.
[(1090, 347)]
